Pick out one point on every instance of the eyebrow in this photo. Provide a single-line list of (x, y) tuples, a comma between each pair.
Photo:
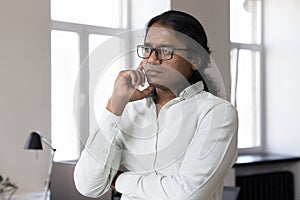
[(161, 45)]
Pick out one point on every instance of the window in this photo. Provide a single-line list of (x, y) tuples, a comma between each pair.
[(78, 28), (246, 68), (65, 65)]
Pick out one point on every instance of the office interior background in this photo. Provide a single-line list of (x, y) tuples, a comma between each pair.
[(25, 77)]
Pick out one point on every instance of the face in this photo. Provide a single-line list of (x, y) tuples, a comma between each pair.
[(173, 73)]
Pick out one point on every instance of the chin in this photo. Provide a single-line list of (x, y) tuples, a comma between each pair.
[(158, 85)]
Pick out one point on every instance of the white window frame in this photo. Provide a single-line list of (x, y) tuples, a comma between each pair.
[(258, 101), (83, 32), (259, 118)]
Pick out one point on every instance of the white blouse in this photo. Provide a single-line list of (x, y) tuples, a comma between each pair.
[(183, 153)]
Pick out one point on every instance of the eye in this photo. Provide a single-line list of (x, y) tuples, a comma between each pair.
[(167, 50), (147, 49)]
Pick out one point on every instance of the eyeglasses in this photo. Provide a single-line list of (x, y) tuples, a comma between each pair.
[(162, 53)]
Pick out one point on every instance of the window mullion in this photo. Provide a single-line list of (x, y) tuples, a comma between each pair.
[(235, 76), (254, 47), (68, 26), (84, 87)]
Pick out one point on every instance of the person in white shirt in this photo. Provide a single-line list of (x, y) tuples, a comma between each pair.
[(176, 139)]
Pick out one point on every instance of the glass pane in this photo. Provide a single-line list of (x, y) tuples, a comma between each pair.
[(65, 66), (105, 62), (245, 21), (247, 94), (96, 40), (91, 12)]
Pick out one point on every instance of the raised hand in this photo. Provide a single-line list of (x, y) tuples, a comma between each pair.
[(126, 89)]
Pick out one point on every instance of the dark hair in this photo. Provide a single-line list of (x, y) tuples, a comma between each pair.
[(189, 26)]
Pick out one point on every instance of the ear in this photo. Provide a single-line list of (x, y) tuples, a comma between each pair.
[(196, 62)]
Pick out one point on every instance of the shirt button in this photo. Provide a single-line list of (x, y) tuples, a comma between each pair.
[(114, 125)]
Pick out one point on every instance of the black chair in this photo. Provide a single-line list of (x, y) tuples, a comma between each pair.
[(230, 193)]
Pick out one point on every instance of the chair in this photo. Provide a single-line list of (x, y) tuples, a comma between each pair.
[(230, 193)]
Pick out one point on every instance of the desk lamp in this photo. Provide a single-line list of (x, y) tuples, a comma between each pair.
[(34, 141)]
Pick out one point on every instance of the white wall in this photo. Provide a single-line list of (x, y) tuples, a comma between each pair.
[(282, 108), (142, 11), (282, 74), (24, 89), (214, 16)]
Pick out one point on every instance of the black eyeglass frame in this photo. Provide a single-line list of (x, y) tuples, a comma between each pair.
[(156, 52)]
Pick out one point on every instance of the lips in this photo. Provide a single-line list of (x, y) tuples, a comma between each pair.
[(152, 72)]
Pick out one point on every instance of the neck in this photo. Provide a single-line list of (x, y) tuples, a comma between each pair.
[(163, 96)]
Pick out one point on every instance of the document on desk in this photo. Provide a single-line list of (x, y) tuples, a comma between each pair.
[(30, 196)]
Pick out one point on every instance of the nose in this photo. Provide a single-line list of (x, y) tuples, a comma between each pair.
[(153, 59)]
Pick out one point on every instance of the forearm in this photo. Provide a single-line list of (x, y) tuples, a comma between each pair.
[(200, 182), (91, 177), (176, 187), (99, 160), (116, 105), (152, 186)]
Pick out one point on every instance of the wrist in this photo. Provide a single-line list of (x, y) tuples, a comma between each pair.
[(116, 105)]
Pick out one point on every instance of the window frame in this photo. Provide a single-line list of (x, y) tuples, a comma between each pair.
[(83, 31), (254, 48), (260, 101)]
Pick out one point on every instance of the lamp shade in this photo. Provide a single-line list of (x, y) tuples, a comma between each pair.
[(33, 141)]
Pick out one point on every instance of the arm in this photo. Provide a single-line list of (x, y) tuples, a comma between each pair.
[(206, 161), (100, 160)]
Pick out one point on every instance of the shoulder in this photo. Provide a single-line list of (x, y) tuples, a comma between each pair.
[(212, 103)]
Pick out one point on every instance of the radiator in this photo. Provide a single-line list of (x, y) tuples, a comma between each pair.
[(267, 186)]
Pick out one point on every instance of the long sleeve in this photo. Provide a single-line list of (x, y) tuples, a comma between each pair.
[(209, 156), (100, 160)]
